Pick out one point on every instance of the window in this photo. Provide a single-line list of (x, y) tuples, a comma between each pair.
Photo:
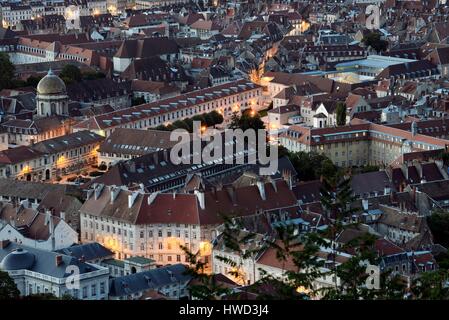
[(150, 234), (169, 246), (85, 292), (142, 247), (169, 258), (178, 258), (168, 233), (178, 233), (161, 246), (159, 233), (141, 235), (102, 286), (93, 290)]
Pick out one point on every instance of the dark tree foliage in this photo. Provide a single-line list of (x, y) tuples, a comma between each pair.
[(70, 74), (32, 81), (341, 114), (438, 223), (8, 289), (207, 119), (312, 165), (374, 41), (431, 286), (6, 71), (137, 101), (247, 120), (301, 267)]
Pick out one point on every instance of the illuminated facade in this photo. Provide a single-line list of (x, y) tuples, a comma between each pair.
[(156, 225), (159, 237), (360, 143), (52, 158), (225, 99)]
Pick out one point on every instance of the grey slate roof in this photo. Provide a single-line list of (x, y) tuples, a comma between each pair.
[(45, 261), (87, 251), (27, 189), (67, 142), (152, 279)]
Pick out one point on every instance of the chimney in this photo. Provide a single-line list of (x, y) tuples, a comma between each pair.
[(132, 166), (114, 193), (132, 198), (58, 260), (365, 204), (261, 187), (155, 157), (4, 244), (200, 196), (25, 203), (98, 190), (152, 197), (414, 128), (287, 175)]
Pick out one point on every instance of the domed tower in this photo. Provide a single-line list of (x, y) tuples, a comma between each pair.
[(52, 96)]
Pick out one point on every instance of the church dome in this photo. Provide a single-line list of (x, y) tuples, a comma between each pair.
[(17, 260), (51, 84)]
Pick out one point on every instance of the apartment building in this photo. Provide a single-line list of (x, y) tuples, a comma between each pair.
[(51, 158), (124, 144), (38, 271), (360, 143), (265, 262), (148, 4), (155, 225), (231, 97)]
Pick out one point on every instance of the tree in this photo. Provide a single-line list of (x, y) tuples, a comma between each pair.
[(217, 118), (137, 101), (179, 124), (92, 75), (438, 223), (32, 81), (374, 41), (312, 165), (70, 73), (8, 288), (161, 127), (431, 285), (445, 158), (248, 120), (6, 71), (341, 114)]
